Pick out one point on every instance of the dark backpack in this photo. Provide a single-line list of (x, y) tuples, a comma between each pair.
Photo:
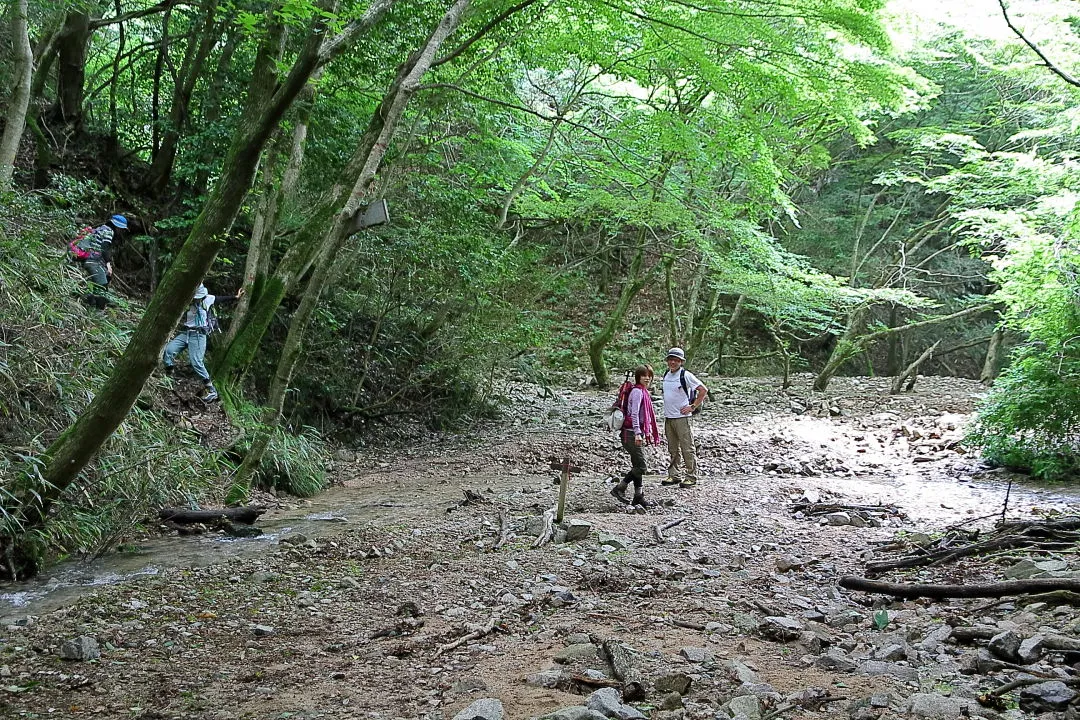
[(212, 324), (685, 389), (617, 416)]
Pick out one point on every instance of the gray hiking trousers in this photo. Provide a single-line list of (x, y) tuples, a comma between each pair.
[(195, 342), (96, 270)]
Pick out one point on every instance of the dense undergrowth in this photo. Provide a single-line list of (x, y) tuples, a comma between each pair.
[(55, 351)]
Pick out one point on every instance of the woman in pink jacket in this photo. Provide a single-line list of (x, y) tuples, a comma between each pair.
[(639, 428)]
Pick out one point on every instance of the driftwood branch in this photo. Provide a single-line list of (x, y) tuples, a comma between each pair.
[(474, 635), (1000, 589), (246, 515), (658, 530), (547, 532)]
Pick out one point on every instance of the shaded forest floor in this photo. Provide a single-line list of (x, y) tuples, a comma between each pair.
[(354, 615)]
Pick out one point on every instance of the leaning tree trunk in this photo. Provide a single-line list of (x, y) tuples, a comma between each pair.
[(846, 348), (268, 99), (274, 198), (375, 141), (15, 118), (995, 357), (161, 167), (912, 371), (635, 282)]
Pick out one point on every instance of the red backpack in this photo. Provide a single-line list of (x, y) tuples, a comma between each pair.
[(617, 416), (77, 251)]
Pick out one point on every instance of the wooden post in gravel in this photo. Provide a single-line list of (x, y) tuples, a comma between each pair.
[(566, 468)]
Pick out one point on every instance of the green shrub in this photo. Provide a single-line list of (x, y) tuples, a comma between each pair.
[(1030, 420)]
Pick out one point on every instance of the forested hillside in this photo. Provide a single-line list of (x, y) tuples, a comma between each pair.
[(825, 186)]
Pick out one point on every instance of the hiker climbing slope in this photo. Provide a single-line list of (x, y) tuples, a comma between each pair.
[(93, 249), (197, 324)]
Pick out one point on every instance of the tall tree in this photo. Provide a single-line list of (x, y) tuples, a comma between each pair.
[(15, 118)]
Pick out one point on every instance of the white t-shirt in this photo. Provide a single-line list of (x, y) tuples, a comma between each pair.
[(674, 397)]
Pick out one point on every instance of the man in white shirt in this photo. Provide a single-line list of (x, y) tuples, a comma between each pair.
[(683, 395)]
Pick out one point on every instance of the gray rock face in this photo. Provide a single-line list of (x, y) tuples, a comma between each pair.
[(544, 679), (935, 638), (836, 661), (1030, 650), (608, 703), (845, 617), (932, 706), (741, 671), (575, 712), (1005, 645), (696, 654), (673, 682), (576, 529), (1052, 695), (896, 670), (781, 628), (570, 653), (838, 519), (484, 709), (747, 706), (890, 653), (81, 648)]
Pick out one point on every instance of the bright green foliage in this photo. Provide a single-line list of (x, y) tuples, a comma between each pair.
[(1031, 417)]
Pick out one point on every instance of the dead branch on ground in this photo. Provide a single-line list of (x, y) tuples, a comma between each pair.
[(999, 589)]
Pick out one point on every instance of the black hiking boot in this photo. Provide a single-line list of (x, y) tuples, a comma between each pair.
[(619, 492), (640, 501)]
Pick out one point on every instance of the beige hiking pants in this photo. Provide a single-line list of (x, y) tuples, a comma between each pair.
[(680, 441)]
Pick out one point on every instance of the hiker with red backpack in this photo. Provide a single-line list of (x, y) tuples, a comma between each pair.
[(683, 396), (638, 429), (92, 248)]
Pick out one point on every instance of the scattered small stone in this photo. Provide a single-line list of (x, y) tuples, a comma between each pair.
[(82, 649), (576, 529), (484, 709), (608, 703), (571, 653), (262, 630), (696, 654)]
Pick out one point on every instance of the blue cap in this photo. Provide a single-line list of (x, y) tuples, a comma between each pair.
[(119, 221)]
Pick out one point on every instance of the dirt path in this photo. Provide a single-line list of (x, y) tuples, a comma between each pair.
[(290, 632)]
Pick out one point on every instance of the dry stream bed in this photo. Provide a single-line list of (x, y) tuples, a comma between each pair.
[(386, 598)]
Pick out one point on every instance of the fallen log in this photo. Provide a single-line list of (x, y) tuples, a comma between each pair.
[(622, 666), (1000, 589), (246, 515)]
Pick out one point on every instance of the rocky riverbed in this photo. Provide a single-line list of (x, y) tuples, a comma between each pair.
[(733, 611)]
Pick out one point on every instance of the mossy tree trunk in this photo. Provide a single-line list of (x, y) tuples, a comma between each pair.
[(633, 285), (374, 143), (995, 357), (267, 100), (19, 101)]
